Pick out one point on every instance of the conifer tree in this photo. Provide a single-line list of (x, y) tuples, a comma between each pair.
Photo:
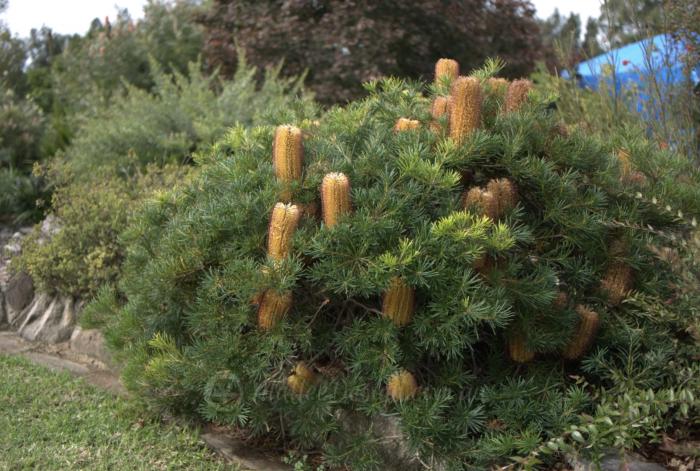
[(461, 273)]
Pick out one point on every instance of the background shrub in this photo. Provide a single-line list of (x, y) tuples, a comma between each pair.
[(187, 323), (134, 147), (52, 85), (180, 115), (85, 252), (343, 44), (21, 128)]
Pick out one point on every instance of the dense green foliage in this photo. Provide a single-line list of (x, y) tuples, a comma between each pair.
[(342, 44), (185, 323), (52, 420)]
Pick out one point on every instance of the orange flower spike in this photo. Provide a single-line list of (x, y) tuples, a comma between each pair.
[(335, 197), (399, 302), (283, 224), (465, 109), (402, 385)]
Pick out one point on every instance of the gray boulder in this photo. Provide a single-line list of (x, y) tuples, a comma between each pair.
[(48, 319), (3, 312), (615, 461), (19, 291), (90, 342)]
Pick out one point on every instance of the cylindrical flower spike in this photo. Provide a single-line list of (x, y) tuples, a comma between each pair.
[(438, 109), (287, 157), (483, 201), (517, 94), (498, 86), (301, 379), (627, 172), (402, 385), (517, 349), (503, 191), (399, 302), (617, 282), (561, 301), (484, 265), (465, 108), (283, 224), (335, 197), (585, 333), (446, 68), (273, 307), (623, 158), (405, 124)]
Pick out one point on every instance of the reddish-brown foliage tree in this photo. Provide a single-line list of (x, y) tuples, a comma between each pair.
[(342, 43)]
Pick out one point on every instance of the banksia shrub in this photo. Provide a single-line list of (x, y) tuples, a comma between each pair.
[(465, 107), (301, 379), (561, 301), (283, 223), (504, 194), (199, 253), (516, 95), (623, 157), (617, 282), (584, 335), (439, 108), (499, 197), (518, 350), (399, 302), (627, 172), (405, 124), (335, 197), (288, 157), (273, 307), (482, 201), (402, 385), (498, 86), (448, 68)]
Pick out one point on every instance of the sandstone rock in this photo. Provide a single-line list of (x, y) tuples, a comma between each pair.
[(3, 312), (393, 445), (13, 245), (49, 226), (19, 291), (90, 342), (48, 319), (241, 454), (615, 461)]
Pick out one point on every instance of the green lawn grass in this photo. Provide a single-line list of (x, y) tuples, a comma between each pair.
[(52, 421)]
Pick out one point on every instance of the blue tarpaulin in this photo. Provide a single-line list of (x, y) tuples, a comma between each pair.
[(631, 67)]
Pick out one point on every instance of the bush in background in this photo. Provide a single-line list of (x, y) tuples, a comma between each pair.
[(72, 80), (135, 147), (84, 253), (343, 44), (21, 127), (94, 69), (181, 114)]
